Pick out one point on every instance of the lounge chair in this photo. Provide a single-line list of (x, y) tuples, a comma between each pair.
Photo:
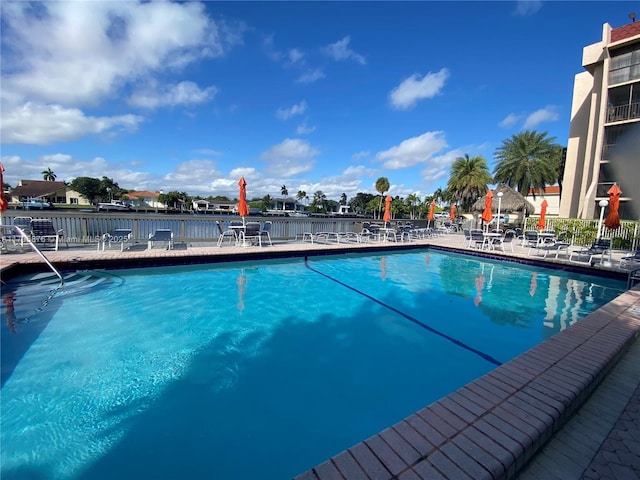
[(162, 235), (630, 261), (558, 246), (43, 231), (599, 248), (530, 239), (121, 236)]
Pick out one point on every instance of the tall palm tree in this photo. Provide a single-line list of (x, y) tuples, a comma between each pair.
[(468, 180), (284, 191), (382, 185), (412, 201), (528, 160), (48, 175), (343, 199)]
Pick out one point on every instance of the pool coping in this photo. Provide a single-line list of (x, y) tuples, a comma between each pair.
[(491, 427)]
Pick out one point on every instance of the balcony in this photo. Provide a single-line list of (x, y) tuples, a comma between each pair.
[(623, 112)]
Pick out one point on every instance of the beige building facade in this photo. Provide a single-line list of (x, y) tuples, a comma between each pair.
[(604, 137)]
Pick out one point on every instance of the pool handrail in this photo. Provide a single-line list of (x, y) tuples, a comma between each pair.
[(25, 237)]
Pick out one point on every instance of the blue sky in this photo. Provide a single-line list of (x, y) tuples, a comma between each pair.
[(312, 95)]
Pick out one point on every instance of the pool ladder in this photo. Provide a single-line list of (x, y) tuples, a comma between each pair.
[(26, 238)]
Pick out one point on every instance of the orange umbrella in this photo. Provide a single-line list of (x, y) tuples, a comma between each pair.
[(3, 202), (432, 209), (543, 212), (243, 208), (387, 209), (452, 214), (613, 219), (487, 215)]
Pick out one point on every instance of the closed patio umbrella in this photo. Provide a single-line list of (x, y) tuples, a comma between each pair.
[(243, 208), (613, 219), (543, 213), (432, 212), (487, 214), (452, 214), (3, 202), (387, 209)]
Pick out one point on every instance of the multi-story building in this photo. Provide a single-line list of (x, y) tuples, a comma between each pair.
[(604, 136)]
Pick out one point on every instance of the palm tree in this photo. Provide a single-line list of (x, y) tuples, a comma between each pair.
[(48, 175), (382, 185), (468, 180), (412, 201), (528, 160), (284, 191), (343, 199)]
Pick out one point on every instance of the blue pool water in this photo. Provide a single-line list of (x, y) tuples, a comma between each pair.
[(256, 370)]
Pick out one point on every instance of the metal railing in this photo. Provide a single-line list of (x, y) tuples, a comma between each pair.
[(25, 238), (623, 112)]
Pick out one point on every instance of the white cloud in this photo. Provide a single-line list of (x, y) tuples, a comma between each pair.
[(360, 155), (61, 56), (439, 167), (287, 113), (304, 129), (412, 151), (290, 158), (295, 55), (341, 51), (311, 76), (414, 88), (45, 124), (546, 114), (527, 7), (183, 93), (510, 120)]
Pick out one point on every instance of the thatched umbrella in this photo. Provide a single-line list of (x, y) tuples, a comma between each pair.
[(512, 202)]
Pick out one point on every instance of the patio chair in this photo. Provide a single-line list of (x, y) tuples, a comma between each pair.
[(599, 247), (530, 239), (265, 231), (43, 231), (506, 240), (476, 237), (230, 234), (251, 233), (162, 235)]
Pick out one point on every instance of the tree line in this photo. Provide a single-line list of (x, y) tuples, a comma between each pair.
[(528, 160)]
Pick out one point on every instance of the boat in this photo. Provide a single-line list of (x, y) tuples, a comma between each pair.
[(113, 206), (38, 203)]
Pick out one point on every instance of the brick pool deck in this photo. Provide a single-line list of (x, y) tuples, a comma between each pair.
[(567, 409)]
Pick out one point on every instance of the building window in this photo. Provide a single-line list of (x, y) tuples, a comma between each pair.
[(624, 102), (625, 65), (73, 200)]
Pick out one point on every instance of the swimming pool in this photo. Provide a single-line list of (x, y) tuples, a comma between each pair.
[(257, 370)]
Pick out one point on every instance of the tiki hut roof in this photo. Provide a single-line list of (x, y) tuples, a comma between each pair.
[(512, 201)]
